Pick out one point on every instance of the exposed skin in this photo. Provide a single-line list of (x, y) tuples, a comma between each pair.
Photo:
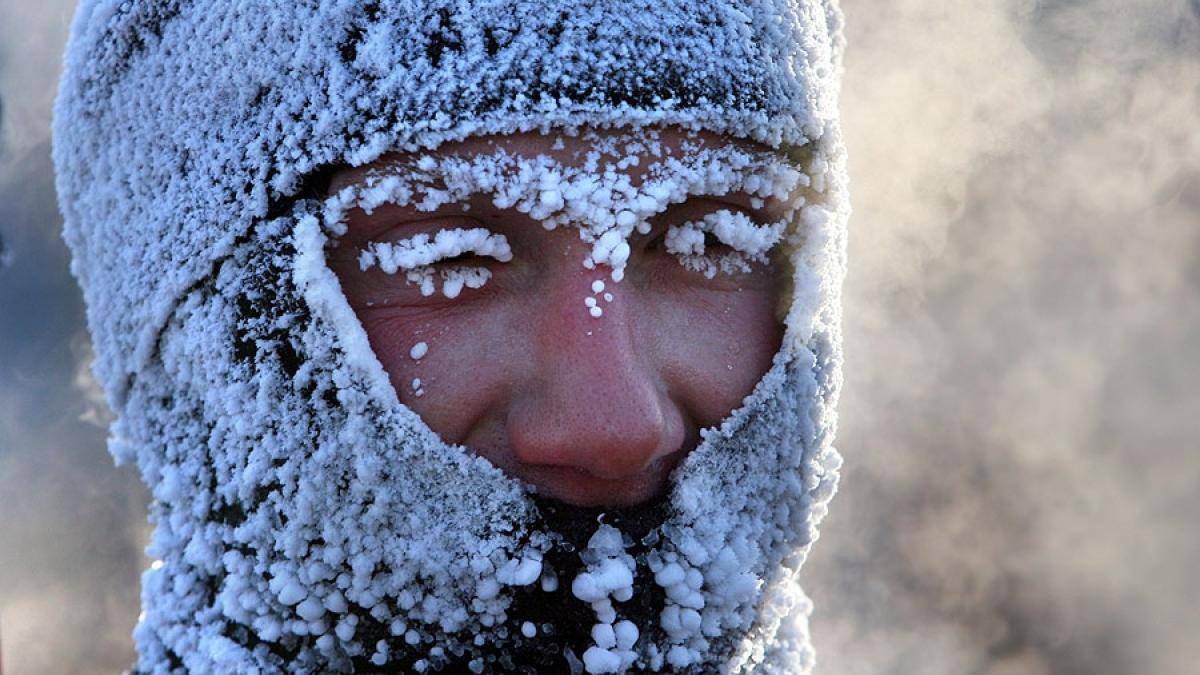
[(589, 411)]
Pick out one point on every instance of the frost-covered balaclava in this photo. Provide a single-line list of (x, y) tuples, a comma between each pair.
[(305, 519)]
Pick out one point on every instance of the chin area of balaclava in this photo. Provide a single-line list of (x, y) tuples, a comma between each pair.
[(305, 519)]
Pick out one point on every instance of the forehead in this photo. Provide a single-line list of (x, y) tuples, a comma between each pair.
[(570, 149)]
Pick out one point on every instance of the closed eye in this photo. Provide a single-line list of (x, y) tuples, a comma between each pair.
[(723, 241), (712, 243), (467, 259)]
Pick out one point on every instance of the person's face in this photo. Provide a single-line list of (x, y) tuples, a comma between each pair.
[(591, 410)]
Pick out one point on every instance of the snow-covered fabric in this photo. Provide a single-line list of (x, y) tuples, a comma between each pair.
[(308, 521)]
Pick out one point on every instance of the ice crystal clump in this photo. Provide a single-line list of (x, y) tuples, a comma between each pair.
[(416, 255), (607, 579)]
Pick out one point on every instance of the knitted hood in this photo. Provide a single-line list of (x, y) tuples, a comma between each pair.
[(190, 142)]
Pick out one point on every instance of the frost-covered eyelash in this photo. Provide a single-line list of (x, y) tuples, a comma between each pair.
[(416, 256), (422, 249), (750, 242)]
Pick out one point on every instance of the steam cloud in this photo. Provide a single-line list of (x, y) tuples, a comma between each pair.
[(72, 527), (1023, 342), (1023, 338)]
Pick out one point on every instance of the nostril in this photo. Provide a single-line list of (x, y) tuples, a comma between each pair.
[(606, 449), (597, 452), (621, 457)]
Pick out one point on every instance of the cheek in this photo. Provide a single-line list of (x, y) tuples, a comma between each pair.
[(712, 347), (463, 374), (707, 347)]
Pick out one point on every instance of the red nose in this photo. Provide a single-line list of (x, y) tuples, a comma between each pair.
[(596, 426)]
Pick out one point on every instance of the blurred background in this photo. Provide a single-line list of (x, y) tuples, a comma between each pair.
[(1021, 415)]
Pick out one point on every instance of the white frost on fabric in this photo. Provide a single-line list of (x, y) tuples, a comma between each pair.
[(304, 518), (608, 578)]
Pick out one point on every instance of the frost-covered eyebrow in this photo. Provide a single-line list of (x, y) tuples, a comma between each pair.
[(355, 194), (427, 167), (407, 219)]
